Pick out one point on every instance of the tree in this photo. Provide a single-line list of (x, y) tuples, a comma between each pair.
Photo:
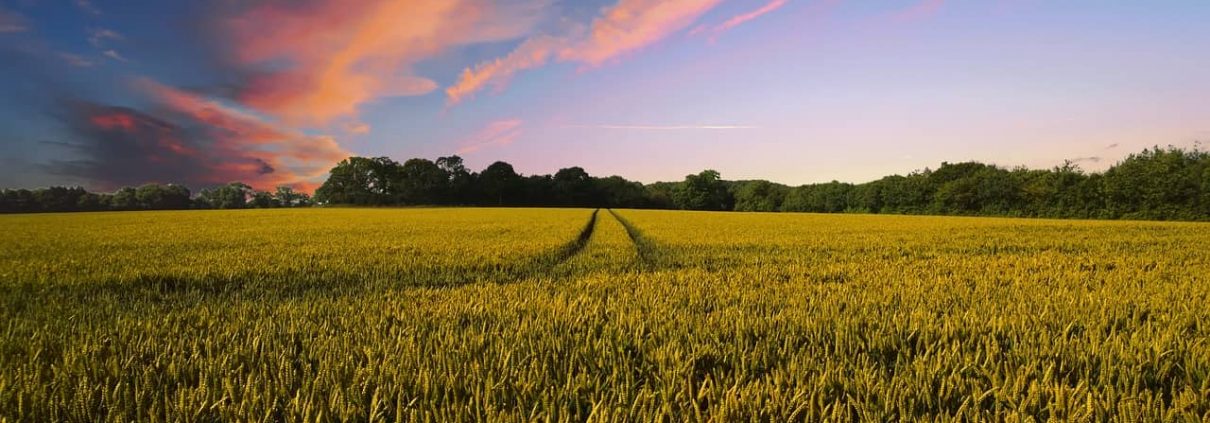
[(461, 186), (363, 181), (125, 199), (288, 197), (703, 191), (762, 196), (58, 199), (422, 182), (20, 201), (1156, 184), (162, 197), (574, 187), (501, 185), (660, 195), (617, 192), (231, 196), (262, 200)]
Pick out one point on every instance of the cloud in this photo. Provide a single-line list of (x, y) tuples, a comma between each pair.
[(87, 7), (740, 19), (626, 27), (1089, 159), (12, 22), (76, 60), (1111, 146), (113, 54), (495, 134), (357, 128), (313, 62), (191, 140), (98, 37), (665, 127), (634, 24), (533, 53)]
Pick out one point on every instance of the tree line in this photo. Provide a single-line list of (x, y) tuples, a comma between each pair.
[(1158, 183), (235, 195)]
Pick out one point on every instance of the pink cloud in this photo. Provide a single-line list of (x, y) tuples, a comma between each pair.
[(321, 60), (634, 24), (626, 27), (495, 134), (745, 17), (357, 128), (296, 158), (533, 53)]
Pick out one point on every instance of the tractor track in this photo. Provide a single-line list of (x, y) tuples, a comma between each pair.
[(648, 254)]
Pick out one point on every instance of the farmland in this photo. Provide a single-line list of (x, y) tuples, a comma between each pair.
[(601, 315)]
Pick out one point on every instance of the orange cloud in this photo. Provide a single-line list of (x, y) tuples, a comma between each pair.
[(533, 53), (628, 26), (633, 24), (294, 158), (357, 128), (113, 121), (743, 18), (498, 133), (324, 59)]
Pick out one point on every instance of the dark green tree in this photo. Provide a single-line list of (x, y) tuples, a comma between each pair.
[(500, 184), (362, 181)]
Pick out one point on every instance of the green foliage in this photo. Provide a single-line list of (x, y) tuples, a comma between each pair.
[(1159, 184), (231, 196), (362, 181), (763, 196), (703, 191)]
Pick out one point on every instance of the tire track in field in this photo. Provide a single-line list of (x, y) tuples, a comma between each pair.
[(648, 253), (569, 250)]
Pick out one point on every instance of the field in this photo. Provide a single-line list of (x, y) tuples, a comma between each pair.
[(606, 315)]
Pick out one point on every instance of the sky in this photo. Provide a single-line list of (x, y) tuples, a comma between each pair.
[(104, 94)]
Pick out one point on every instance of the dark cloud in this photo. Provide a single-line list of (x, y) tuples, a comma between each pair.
[(120, 146), (12, 21), (1089, 159)]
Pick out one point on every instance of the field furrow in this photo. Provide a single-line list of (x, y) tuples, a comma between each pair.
[(609, 250)]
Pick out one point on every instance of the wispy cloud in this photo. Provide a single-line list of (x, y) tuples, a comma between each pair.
[(113, 54), (12, 21), (99, 37), (533, 53), (495, 134), (76, 60), (665, 127), (1089, 159), (743, 18), (634, 24), (190, 139), (87, 7), (357, 128), (626, 27), (315, 62)]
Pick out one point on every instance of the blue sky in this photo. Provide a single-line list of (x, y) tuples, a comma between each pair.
[(104, 94)]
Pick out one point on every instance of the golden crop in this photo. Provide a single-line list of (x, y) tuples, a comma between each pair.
[(528, 314)]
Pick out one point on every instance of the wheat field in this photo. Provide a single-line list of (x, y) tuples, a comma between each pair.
[(599, 315)]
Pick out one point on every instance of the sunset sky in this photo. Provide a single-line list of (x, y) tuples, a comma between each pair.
[(110, 93)]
